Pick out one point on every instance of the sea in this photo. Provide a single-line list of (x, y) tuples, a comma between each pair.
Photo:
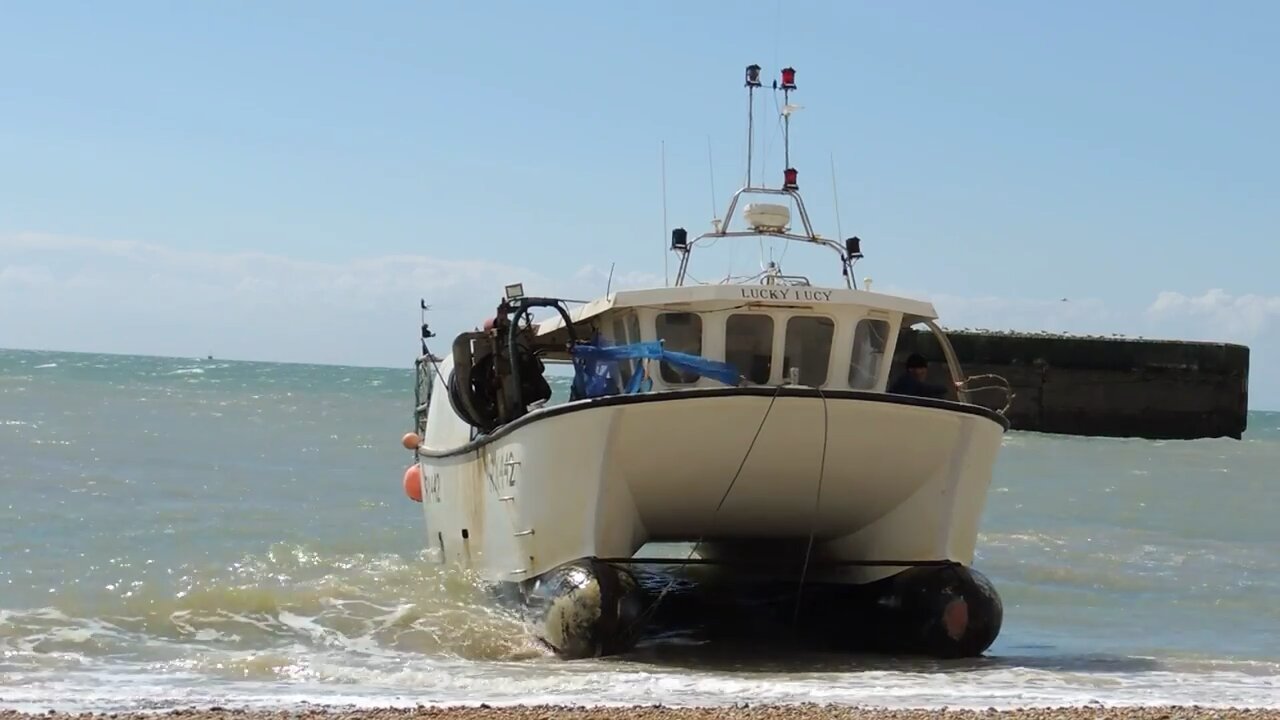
[(181, 532)]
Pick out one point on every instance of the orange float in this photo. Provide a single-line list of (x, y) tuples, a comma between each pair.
[(410, 441), (413, 482)]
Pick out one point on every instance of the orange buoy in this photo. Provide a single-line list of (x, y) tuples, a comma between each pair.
[(413, 482), (410, 441)]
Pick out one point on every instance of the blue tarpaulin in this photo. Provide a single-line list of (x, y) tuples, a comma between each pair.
[(596, 367)]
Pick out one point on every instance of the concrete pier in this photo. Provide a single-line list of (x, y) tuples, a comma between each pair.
[(1101, 386)]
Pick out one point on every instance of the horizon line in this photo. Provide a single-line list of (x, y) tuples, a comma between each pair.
[(216, 358)]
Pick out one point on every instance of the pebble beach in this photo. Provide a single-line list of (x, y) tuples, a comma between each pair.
[(659, 712)]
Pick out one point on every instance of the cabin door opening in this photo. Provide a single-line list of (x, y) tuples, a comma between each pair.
[(923, 337)]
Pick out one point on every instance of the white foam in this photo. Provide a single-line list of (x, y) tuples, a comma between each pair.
[(432, 682)]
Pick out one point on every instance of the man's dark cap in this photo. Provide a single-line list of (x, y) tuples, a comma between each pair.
[(916, 360)]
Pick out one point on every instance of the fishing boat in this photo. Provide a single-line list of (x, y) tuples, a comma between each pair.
[(764, 421)]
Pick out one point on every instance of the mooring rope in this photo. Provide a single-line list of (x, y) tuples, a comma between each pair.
[(817, 505), (1007, 389)]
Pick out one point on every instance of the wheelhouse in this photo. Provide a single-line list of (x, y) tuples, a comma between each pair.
[(836, 339)]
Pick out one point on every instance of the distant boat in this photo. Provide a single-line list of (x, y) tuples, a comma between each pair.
[(751, 417)]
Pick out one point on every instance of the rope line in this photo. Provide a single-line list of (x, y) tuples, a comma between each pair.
[(817, 504), (715, 513)]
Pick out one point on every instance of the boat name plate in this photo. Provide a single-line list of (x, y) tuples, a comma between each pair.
[(786, 293)]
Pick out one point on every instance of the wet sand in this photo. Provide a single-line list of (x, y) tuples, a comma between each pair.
[(658, 712)]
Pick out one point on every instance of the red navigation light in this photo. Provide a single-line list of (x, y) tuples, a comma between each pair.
[(789, 179), (788, 78)]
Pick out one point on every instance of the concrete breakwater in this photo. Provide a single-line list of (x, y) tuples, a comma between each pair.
[(1101, 386)]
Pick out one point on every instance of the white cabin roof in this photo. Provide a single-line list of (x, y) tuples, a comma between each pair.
[(715, 297)]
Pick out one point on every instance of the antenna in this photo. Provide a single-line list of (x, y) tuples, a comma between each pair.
[(715, 213), (753, 82), (665, 272), (427, 334), (711, 170), (835, 195), (609, 284)]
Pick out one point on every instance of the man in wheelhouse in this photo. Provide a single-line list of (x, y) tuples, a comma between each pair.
[(912, 381)]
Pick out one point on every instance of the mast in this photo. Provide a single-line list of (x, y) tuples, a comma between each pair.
[(764, 219), (788, 84), (753, 82)]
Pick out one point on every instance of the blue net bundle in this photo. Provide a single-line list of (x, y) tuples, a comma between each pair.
[(596, 371)]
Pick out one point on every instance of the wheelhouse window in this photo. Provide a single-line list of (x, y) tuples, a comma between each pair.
[(748, 346), (870, 337), (679, 332), (808, 348)]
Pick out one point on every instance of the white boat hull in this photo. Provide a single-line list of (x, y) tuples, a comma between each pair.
[(904, 480)]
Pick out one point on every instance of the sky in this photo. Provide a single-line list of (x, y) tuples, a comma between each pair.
[(284, 181)]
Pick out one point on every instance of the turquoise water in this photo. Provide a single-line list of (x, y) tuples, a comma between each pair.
[(178, 531)]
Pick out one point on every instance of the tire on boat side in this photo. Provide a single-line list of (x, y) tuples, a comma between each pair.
[(585, 608)]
